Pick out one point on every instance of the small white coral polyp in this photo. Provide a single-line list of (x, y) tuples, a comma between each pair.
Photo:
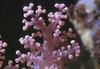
[(49, 53)]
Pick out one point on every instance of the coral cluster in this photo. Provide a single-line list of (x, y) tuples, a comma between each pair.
[(52, 50)]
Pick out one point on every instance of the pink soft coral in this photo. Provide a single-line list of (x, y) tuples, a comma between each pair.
[(49, 53)]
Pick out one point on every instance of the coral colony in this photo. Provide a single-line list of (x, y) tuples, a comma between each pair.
[(53, 50), (3, 45)]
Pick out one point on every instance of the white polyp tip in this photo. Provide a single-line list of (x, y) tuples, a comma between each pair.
[(24, 21), (63, 4), (66, 9), (17, 60), (25, 28), (40, 18), (59, 58), (77, 54), (23, 56), (17, 66), (65, 51), (36, 11), (39, 7), (27, 36), (10, 62), (44, 24), (54, 34), (33, 35), (59, 50), (30, 12), (50, 14), (62, 16), (26, 46), (43, 11), (52, 20), (56, 5), (18, 52), (4, 44), (70, 56), (36, 27), (29, 53), (70, 29), (28, 64), (60, 53), (20, 39), (30, 38), (25, 8), (54, 52), (49, 19), (57, 30), (2, 50), (38, 44), (32, 19), (78, 51), (25, 15), (57, 15), (31, 4), (27, 24), (65, 16), (58, 26), (62, 48), (69, 46), (33, 40), (22, 42), (72, 41), (45, 42), (60, 23)]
